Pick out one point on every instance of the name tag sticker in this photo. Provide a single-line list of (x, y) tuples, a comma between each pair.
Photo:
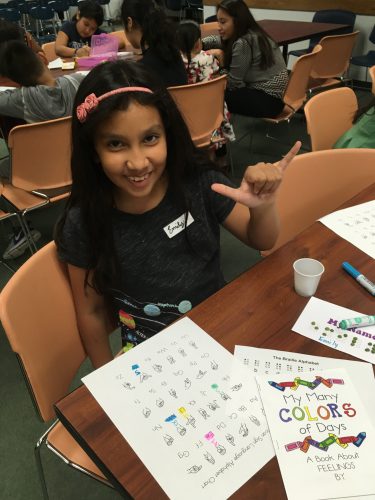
[(178, 225)]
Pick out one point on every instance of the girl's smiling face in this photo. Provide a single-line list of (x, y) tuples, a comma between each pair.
[(226, 24), (132, 149)]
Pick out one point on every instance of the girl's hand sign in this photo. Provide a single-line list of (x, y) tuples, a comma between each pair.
[(260, 182)]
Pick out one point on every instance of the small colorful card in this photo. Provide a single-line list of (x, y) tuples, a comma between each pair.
[(320, 321), (323, 436)]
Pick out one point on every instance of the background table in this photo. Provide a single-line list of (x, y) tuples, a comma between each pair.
[(258, 309)]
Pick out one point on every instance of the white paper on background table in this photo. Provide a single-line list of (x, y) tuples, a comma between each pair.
[(55, 64), (168, 397), (320, 321), (3, 89), (356, 225), (323, 436), (260, 361)]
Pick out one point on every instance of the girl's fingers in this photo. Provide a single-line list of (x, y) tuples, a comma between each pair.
[(284, 162), (226, 191)]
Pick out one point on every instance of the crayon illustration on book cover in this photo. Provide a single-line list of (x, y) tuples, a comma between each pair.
[(322, 434)]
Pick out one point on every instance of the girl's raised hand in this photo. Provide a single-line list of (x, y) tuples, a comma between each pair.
[(260, 182)]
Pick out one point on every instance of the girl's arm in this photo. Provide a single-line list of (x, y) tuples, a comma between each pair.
[(62, 49), (254, 218), (92, 318), (240, 63)]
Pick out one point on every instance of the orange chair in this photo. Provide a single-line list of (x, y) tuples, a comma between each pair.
[(372, 76), (38, 316), (317, 183), (328, 115), (209, 29), (49, 50), (333, 61), (295, 92), (40, 166), (201, 105)]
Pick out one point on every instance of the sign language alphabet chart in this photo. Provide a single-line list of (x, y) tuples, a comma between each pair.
[(200, 432)]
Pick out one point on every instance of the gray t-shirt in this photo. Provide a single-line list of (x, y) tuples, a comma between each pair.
[(165, 269)]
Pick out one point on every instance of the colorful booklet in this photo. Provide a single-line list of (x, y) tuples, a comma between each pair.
[(323, 436)]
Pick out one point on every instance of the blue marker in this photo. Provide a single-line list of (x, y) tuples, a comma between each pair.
[(362, 280)]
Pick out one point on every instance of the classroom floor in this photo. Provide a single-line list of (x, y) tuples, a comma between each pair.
[(19, 425)]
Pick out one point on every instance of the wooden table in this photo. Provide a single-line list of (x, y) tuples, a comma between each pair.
[(258, 309), (286, 32)]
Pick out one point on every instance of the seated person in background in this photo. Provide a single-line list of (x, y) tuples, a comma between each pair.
[(362, 133), (40, 98), (74, 37), (257, 75), (147, 28), (10, 31), (200, 65)]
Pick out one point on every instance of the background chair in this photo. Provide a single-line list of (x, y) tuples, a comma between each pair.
[(45, 338), (372, 76), (201, 105), (366, 60), (332, 62), (40, 166), (49, 50), (328, 115), (335, 16), (209, 29), (317, 183)]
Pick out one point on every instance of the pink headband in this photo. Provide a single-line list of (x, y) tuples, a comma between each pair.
[(91, 101)]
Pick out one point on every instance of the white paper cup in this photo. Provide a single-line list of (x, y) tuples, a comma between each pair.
[(307, 273)]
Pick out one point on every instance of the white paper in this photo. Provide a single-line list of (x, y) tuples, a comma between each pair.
[(323, 436), (55, 64), (125, 55), (3, 89), (356, 225), (260, 361), (168, 397), (319, 321)]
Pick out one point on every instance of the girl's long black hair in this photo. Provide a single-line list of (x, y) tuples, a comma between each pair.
[(244, 22), (92, 191), (188, 33), (158, 32)]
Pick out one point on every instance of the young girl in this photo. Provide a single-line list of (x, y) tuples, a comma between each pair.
[(257, 75), (74, 37), (140, 233), (147, 28), (200, 65)]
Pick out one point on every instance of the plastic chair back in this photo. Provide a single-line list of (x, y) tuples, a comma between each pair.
[(328, 115), (201, 105), (295, 92), (38, 316), (209, 29), (372, 76), (49, 50), (317, 183), (334, 58), (40, 154)]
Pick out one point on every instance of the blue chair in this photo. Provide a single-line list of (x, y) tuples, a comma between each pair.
[(366, 60), (45, 18), (327, 16), (211, 19), (11, 15), (61, 9)]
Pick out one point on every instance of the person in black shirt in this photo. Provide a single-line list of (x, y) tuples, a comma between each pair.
[(147, 28)]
